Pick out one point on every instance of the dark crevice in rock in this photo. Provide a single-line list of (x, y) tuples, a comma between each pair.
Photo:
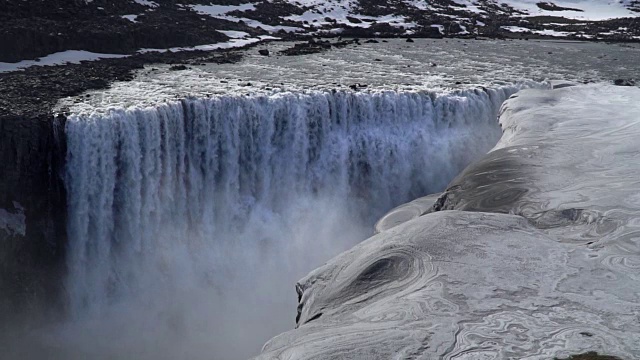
[(314, 317)]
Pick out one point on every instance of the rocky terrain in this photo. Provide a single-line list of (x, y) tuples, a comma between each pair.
[(32, 29)]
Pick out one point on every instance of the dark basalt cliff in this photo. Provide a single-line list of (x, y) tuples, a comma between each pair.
[(31, 254)]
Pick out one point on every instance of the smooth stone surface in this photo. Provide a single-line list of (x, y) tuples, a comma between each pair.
[(405, 212)]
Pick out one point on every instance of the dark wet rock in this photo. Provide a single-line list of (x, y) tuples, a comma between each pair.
[(409, 40), (263, 52), (177, 68), (591, 355), (624, 82), (372, 41)]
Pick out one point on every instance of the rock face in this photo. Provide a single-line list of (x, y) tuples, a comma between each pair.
[(33, 205), (531, 253)]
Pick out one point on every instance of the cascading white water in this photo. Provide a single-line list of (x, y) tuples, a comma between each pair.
[(190, 222)]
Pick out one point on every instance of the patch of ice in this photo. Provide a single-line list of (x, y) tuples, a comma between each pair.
[(59, 58)]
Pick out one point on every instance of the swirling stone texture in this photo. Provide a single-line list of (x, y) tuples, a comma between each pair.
[(531, 253)]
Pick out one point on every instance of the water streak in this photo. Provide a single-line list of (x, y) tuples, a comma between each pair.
[(228, 192)]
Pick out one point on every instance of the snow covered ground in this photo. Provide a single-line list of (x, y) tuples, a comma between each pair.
[(590, 9)]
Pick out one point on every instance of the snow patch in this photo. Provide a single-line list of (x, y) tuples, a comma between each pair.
[(591, 9), (234, 34), (147, 3), (131, 18), (233, 43), (59, 58), (220, 10), (419, 4), (439, 27), (546, 32)]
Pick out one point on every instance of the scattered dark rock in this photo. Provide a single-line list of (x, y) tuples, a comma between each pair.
[(377, 59), (177, 68), (313, 46), (263, 52), (372, 41), (357, 86)]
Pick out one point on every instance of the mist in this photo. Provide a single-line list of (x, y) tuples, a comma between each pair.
[(190, 222)]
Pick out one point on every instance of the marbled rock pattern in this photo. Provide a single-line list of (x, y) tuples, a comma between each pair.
[(543, 261)]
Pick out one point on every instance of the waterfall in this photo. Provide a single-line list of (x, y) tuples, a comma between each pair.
[(210, 198)]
